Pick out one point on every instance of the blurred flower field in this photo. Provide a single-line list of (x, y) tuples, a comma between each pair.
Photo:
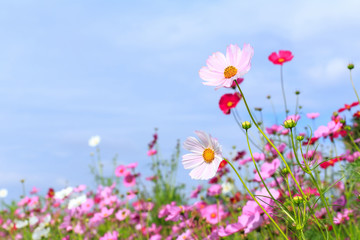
[(298, 178)]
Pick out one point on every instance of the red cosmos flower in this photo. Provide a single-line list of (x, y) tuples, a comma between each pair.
[(51, 193), (281, 57), (223, 163), (239, 156), (310, 141), (229, 101), (331, 162), (357, 114), (236, 198), (348, 107)]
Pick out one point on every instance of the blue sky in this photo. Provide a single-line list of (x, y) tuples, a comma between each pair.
[(73, 69)]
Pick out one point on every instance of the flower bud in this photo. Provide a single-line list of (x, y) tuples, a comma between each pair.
[(300, 138), (268, 96), (297, 92), (347, 128), (258, 109), (246, 125), (285, 171), (350, 66), (298, 200), (290, 123)]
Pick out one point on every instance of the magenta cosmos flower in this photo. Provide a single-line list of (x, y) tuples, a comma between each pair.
[(281, 57), (221, 71), (205, 156)]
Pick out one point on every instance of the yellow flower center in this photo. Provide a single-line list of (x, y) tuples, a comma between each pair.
[(230, 71), (208, 155), (229, 104), (281, 60), (213, 215)]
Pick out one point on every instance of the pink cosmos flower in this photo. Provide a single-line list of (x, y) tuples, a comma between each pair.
[(121, 171), (132, 165), (274, 129), (80, 188), (281, 57), (130, 195), (313, 115), (331, 128), (185, 236), (151, 152), (230, 229), (110, 236), (204, 158), (342, 217), (267, 169), (34, 190), (212, 214), (214, 190), (195, 193), (129, 180), (221, 71), (122, 214), (106, 212), (87, 205), (251, 222), (295, 117)]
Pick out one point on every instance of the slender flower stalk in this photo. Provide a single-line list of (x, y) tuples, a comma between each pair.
[(322, 197), (277, 150), (283, 89), (281, 206), (350, 67), (252, 196)]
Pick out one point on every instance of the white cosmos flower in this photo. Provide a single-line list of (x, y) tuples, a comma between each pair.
[(94, 141), (33, 220), (227, 187), (75, 202), (63, 193), (40, 232), (3, 193), (20, 224), (205, 156)]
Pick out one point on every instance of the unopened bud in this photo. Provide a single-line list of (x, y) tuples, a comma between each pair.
[(297, 92), (350, 66), (268, 96), (347, 128), (285, 171), (258, 109), (290, 123), (298, 200), (300, 138), (246, 125)]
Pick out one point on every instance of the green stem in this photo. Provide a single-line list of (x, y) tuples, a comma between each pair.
[(281, 156), (353, 142), (354, 87), (283, 89), (263, 182), (252, 196)]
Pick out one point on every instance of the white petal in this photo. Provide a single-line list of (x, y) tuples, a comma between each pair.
[(197, 172), (193, 145), (192, 160), (204, 139)]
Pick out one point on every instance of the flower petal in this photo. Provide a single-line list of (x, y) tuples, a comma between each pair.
[(193, 145), (192, 160)]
